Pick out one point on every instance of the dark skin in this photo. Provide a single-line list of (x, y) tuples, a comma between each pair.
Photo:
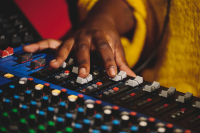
[(100, 31)]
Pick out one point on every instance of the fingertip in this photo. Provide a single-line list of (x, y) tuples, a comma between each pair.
[(112, 71), (54, 64), (83, 73), (30, 48)]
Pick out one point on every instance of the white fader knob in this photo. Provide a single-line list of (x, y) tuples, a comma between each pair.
[(75, 70), (84, 80), (168, 93), (184, 98), (150, 88), (81, 80), (135, 82), (120, 76), (63, 65), (197, 104)]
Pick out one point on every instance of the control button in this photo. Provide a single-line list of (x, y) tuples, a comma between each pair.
[(184, 98), (115, 112), (89, 78), (8, 75), (32, 120), (99, 83), (33, 107), (124, 121), (117, 78), (86, 125), (196, 104), (115, 88), (50, 127), (165, 105), (6, 105), (81, 80), (56, 91), (30, 84), (120, 76), (132, 94), (142, 126), (50, 113), (149, 100), (95, 85), (23, 111), (169, 128), (38, 63), (97, 120), (168, 93), (70, 61), (68, 119), (138, 80), (161, 130), (89, 110), (54, 99), (73, 96), (104, 129), (133, 117), (39, 85), (15, 103), (12, 90), (63, 65), (77, 128), (150, 88), (41, 117), (80, 114), (98, 106), (7, 52), (23, 127), (14, 115), (84, 80), (63, 94), (61, 111), (80, 100), (134, 129), (69, 130), (107, 115), (45, 102), (151, 123), (59, 123), (67, 71), (96, 72), (106, 93), (46, 89), (75, 70), (27, 97), (115, 126), (41, 129), (24, 58), (38, 93), (71, 105), (1, 96)]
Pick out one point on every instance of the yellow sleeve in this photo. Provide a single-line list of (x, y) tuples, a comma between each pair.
[(134, 48)]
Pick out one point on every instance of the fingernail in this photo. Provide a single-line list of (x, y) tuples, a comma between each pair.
[(112, 71), (54, 60), (82, 70)]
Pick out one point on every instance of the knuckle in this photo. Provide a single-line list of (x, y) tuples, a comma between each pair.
[(81, 46), (108, 60), (96, 32), (103, 45), (81, 62)]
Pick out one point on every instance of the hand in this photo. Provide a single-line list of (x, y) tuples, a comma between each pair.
[(99, 33)]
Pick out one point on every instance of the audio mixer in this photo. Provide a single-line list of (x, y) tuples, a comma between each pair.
[(36, 98)]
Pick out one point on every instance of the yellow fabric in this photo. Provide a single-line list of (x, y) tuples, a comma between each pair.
[(139, 34), (177, 62)]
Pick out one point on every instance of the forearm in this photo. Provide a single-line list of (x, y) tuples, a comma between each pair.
[(115, 12)]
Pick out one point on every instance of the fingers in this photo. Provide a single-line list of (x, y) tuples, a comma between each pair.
[(62, 53), (106, 53), (82, 50), (121, 60), (41, 45)]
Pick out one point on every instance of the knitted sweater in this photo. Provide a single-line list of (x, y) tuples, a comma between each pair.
[(177, 60)]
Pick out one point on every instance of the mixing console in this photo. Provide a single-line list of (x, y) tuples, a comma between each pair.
[(36, 98)]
